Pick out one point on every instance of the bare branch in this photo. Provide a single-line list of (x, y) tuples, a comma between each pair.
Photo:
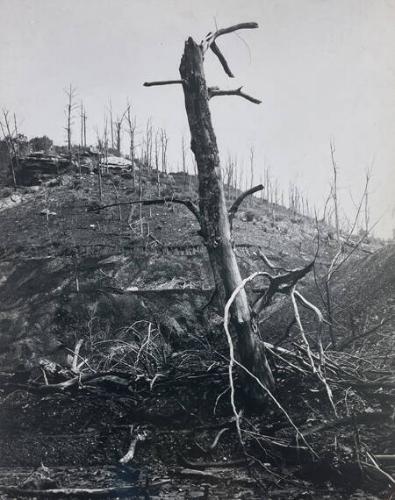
[(163, 82), (211, 37), (214, 91), (234, 208), (214, 47), (209, 42)]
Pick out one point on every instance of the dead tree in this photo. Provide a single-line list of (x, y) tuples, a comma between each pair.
[(229, 172), (131, 124), (214, 218), (105, 144), (268, 183), (342, 255), (99, 165), (156, 157), (366, 207), (10, 138), (83, 119), (164, 141), (111, 123), (118, 132), (148, 143), (183, 158), (252, 154), (70, 108), (335, 190)]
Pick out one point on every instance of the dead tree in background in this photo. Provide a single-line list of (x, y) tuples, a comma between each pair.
[(252, 154), (131, 124), (105, 144), (229, 174), (156, 158), (70, 108), (118, 132), (83, 119), (267, 182), (342, 255), (164, 141), (10, 138), (366, 208), (147, 147), (335, 190), (214, 217), (111, 123), (183, 159), (99, 165)]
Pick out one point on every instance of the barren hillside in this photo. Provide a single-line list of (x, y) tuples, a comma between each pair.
[(133, 289)]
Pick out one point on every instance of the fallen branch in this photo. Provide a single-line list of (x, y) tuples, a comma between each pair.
[(295, 295), (361, 418), (120, 491), (75, 366), (210, 477), (379, 469), (136, 437), (117, 378), (207, 465), (199, 474), (232, 362), (301, 329), (213, 445)]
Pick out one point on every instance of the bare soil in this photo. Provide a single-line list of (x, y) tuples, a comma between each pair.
[(138, 295)]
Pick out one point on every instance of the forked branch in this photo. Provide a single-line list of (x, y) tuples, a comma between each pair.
[(209, 43), (211, 37)]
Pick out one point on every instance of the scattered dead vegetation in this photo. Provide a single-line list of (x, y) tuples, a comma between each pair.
[(163, 369)]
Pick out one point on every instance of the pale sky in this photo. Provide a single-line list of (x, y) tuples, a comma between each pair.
[(323, 69)]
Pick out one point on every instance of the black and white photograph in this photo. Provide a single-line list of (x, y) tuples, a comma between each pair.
[(197, 249)]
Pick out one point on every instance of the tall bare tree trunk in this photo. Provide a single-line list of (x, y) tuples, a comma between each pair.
[(70, 92), (334, 191), (131, 129), (214, 216)]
